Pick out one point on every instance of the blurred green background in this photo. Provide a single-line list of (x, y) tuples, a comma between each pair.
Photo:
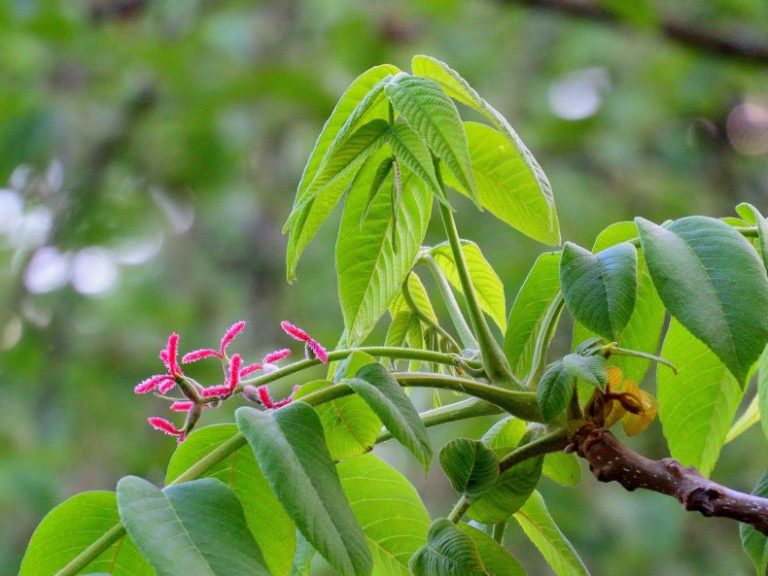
[(148, 156)]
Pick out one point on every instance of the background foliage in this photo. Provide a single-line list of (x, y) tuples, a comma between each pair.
[(148, 156)]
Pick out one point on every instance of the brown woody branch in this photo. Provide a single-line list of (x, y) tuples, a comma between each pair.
[(741, 47), (611, 461)]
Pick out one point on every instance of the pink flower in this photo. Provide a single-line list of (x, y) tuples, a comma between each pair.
[(262, 395), (233, 380), (226, 340), (167, 427), (268, 364), (182, 406), (313, 347), (164, 382)]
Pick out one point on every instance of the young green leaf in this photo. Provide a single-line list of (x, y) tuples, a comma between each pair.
[(554, 390), (529, 309), (694, 263), (643, 330), (448, 552), (563, 468), (762, 227), (70, 528), (242, 474), (591, 369), (496, 560), (762, 391), (432, 115), (288, 446), (505, 186), (512, 489), (470, 467), (504, 435), (411, 151), (541, 529), (600, 289), (388, 508), (754, 543), (488, 285), (418, 295), (533, 177), (348, 104), (398, 328), (374, 384), (370, 271), (697, 405), (195, 528)]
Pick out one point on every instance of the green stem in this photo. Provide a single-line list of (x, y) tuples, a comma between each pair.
[(551, 442), (520, 404), (498, 532), (469, 408), (385, 351), (494, 361), (454, 310), (459, 510), (543, 338), (92, 552), (408, 297), (615, 350)]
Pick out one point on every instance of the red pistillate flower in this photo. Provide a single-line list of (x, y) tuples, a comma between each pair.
[(263, 395), (268, 364), (170, 356), (182, 406), (165, 426), (215, 391), (153, 382), (250, 369), (233, 378), (226, 340), (313, 347), (276, 356), (164, 382)]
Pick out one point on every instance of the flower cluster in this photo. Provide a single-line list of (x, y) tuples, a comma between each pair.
[(197, 397)]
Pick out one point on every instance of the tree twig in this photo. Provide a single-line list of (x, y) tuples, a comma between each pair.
[(741, 47), (611, 461)]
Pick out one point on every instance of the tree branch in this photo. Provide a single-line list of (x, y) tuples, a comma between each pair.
[(609, 460), (702, 40)]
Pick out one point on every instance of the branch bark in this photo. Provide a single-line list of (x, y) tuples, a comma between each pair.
[(611, 461), (741, 48)]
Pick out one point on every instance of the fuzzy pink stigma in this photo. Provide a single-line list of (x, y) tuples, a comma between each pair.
[(196, 355), (215, 391), (250, 369), (294, 331), (166, 386), (318, 350), (164, 425), (170, 355), (151, 383), (230, 335), (233, 379), (276, 356), (182, 406), (264, 397)]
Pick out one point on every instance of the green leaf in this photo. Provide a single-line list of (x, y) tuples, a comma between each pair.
[(470, 467), (74, 525), (696, 406), (591, 369), (505, 184), (749, 418), (194, 528), (288, 446), (449, 552), (562, 468), (424, 106), (496, 560), (600, 289), (370, 271), (754, 543), (541, 529), (350, 425), (510, 492), (643, 330), (554, 390), (398, 328), (374, 384), (458, 89), (418, 295), (347, 115), (528, 311), (242, 474), (488, 285), (713, 282), (504, 435), (387, 506), (762, 391), (302, 560), (411, 151), (762, 227)]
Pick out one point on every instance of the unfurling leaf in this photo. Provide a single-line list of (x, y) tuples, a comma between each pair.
[(471, 467)]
